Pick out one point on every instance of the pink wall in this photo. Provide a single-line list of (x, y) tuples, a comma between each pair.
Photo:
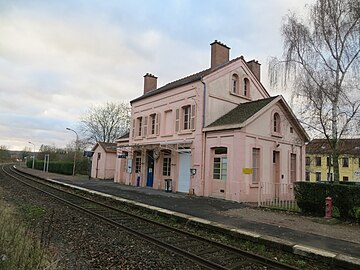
[(103, 168), (219, 100)]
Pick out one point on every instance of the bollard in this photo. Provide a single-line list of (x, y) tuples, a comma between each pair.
[(328, 207)]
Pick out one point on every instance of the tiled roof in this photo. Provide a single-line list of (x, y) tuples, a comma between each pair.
[(346, 146), (242, 112), (186, 80)]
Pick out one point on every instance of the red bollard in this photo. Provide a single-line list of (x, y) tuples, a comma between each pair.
[(328, 207)]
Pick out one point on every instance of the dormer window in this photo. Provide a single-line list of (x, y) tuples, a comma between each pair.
[(276, 123), (246, 87), (235, 84)]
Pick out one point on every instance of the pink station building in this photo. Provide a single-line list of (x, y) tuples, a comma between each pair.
[(214, 133)]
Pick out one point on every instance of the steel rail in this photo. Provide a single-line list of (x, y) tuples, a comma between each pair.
[(236, 253)]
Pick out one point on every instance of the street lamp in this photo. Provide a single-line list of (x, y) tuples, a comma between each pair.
[(33, 155), (76, 143)]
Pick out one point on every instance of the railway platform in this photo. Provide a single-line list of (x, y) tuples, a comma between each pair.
[(312, 237)]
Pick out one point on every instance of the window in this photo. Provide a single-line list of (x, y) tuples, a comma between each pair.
[(327, 161), (166, 165), (99, 156), (345, 178), (318, 161), (246, 87), (292, 167), (137, 164), (220, 163), (152, 123), (255, 165), (318, 176), (345, 162), (185, 120), (186, 117), (307, 176), (307, 161), (235, 83), (291, 130), (276, 123), (139, 126)]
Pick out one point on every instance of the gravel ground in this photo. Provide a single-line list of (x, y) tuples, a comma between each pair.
[(79, 241)]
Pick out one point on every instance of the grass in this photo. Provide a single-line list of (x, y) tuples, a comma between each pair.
[(19, 249)]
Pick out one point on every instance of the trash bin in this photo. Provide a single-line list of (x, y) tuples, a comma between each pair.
[(168, 185)]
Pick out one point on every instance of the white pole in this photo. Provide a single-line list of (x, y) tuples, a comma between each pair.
[(76, 143)]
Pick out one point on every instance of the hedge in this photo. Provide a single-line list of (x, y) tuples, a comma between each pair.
[(62, 167), (310, 198)]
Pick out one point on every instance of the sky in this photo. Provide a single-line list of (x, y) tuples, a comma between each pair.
[(58, 58)]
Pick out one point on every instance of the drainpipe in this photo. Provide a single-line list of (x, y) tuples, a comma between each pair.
[(203, 138), (204, 102)]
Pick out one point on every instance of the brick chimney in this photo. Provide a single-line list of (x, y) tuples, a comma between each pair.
[(150, 82), (255, 68), (219, 54)]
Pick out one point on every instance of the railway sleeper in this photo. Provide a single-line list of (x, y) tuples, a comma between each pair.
[(196, 244), (207, 251)]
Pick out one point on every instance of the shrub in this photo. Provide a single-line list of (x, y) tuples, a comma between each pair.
[(63, 167), (310, 197), (346, 198)]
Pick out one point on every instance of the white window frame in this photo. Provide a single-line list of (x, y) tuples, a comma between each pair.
[(255, 165), (221, 160)]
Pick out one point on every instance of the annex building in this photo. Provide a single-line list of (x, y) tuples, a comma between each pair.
[(214, 133)]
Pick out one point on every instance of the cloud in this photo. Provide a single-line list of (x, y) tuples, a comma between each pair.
[(59, 57)]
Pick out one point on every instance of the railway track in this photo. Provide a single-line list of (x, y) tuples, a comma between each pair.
[(202, 251)]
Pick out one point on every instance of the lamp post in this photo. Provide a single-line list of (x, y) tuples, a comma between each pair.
[(33, 163), (76, 143)]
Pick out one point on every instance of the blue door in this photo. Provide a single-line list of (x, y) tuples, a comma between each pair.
[(150, 169)]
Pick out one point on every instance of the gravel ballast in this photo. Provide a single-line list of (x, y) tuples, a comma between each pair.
[(80, 241)]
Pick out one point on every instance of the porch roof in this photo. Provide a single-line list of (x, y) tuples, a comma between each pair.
[(169, 145)]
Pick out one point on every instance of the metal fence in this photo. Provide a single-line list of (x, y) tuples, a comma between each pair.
[(277, 195)]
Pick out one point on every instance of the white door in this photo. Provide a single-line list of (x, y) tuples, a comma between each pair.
[(184, 172)]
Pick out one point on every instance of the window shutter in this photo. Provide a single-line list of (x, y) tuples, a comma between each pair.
[(177, 120), (193, 117), (133, 128), (145, 124), (157, 124)]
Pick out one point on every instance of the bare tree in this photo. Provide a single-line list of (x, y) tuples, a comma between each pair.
[(321, 64), (106, 123)]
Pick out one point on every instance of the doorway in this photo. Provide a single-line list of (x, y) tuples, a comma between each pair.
[(150, 169), (276, 172), (184, 172)]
